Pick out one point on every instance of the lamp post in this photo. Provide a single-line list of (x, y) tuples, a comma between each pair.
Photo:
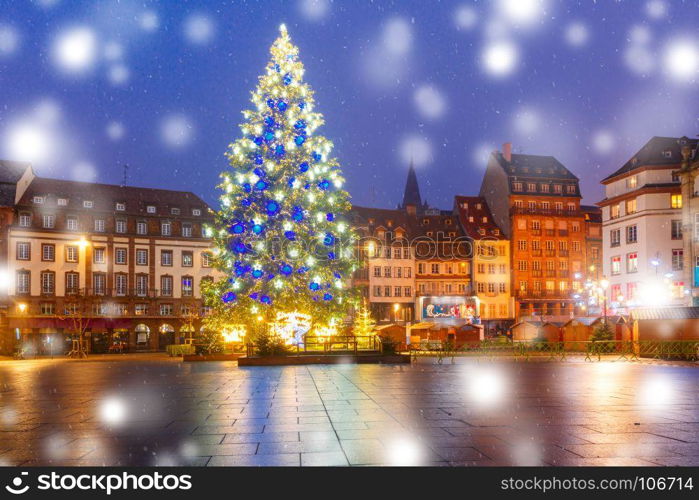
[(604, 283)]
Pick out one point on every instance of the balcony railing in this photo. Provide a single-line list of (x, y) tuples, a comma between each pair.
[(550, 253)]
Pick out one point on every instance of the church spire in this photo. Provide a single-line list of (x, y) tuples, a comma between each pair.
[(411, 195)]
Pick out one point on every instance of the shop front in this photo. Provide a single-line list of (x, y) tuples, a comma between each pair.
[(446, 308)]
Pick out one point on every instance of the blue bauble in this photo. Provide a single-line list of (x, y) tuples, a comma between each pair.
[(261, 185), (228, 297), (272, 207), (247, 187), (257, 273), (329, 239), (287, 79), (237, 228), (324, 184), (302, 104), (254, 295), (290, 235), (258, 160), (245, 202), (258, 140), (314, 286), (265, 299), (239, 247), (270, 103), (303, 167), (257, 228), (300, 139), (300, 125), (291, 181), (259, 172), (282, 106), (327, 296), (330, 217), (297, 214), (316, 156), (269, 121), (279, 150), (286, 269), (277, 68), (331, 255)]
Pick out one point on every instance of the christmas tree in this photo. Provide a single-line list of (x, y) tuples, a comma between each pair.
[(282, 236), (364, 324)]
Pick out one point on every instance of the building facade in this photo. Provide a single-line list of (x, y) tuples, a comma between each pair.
[(387, 271), (688, 173), (535, 200), (643, 228), (490, 262), (123, 264)]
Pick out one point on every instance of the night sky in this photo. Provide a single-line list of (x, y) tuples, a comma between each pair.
[(88, 86)]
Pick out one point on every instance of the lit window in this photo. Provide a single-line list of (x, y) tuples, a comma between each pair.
[(88, 204), (676, 201), (121, 207)]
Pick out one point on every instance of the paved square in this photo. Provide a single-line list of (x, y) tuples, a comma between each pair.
[(159, 411)]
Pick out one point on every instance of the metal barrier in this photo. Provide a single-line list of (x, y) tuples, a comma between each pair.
[(620, 350)]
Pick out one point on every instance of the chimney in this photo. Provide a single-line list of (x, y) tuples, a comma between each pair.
[(507, 151)]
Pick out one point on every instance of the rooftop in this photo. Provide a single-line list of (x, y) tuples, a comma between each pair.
[(657, 152)]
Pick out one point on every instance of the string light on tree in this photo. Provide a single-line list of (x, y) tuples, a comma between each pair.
[(282, 234)]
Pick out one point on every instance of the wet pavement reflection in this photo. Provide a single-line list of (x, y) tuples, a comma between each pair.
[(474, 413)]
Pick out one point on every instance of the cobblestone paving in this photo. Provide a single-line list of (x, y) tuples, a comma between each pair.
[(159, 412)]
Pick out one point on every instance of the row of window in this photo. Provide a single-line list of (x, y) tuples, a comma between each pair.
[(388, 252), (492, 269), (103, 309), (118, 206), (446, 268), (533, 187), (392, 291), (395, 272), (535, 225), (494, 311), (437, 288), (535, 265), (491, 287), (523, 245), (546, 205), (550, 286), (630, 206), (99, 284), (632, 262), (48, 254), (48, 221)]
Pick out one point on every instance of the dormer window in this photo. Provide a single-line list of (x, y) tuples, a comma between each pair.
[(478, 206), (470, 218), (544, 188), (174, 211), (464, 205), (447, 222), (452, 234), (120, 207), (88, 204), (485, 220), (389, 223), (667, 154), (425, 222), (557, 188), (516, 186), (481, 231), (531, 187), (62, 202), (196, 212), (39, 200), (150, 209), (571, 189), (496, 231)]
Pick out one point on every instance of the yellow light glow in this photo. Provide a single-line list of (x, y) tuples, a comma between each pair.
[(234, 333), (22, 307)]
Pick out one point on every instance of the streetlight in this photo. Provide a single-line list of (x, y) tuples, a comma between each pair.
[(604, 283)]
